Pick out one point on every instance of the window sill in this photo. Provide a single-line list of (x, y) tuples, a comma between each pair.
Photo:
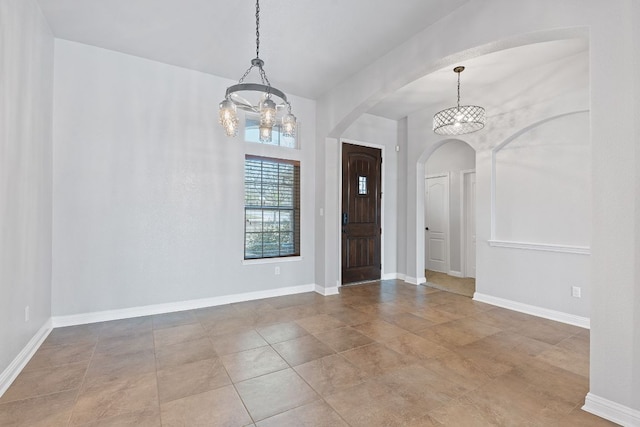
[(271, 260)]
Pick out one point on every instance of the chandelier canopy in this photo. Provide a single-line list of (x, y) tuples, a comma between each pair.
[(459, 120), (270, 101)]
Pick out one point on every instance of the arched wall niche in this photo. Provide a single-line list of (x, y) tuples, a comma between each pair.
[(541, 186)]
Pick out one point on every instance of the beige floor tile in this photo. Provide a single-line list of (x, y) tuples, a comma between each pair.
[(458, 332), (459, 413), (351, 316), (44, 411), (330, 374), (457, 369), (115, 398), (124, 344), (375, 359), (191, 378), (74, 335), (274, 393), (225, 325), (316, 414), (547, 330), (367, 404), (569, 360), (44, 381), (409, 322), (237, 341), (219, 407), (379, 330), (415, 346), (178, 334), (56, 355), (186, 352), (134, 326), (281, 332), (436, 316), (107, 368), (302, 350), (169, 320), (252, 363), (148, 417), (343, 339), (319, 323)]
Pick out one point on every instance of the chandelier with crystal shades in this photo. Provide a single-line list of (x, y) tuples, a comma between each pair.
[(270, 101), (459, 120)]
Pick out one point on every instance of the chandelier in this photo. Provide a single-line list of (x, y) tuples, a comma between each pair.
[(270, 100), (460, 119)]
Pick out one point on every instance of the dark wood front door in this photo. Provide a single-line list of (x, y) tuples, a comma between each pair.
[(361, 200)]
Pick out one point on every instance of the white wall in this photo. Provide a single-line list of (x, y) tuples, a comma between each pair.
[(148, 192), (26, 76), (382, 133), (492, 25), (452, 157)]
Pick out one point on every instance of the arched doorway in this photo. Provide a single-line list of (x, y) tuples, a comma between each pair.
[(449, 217)]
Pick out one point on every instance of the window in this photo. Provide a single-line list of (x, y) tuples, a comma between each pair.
[(252, 133), (271, 207)]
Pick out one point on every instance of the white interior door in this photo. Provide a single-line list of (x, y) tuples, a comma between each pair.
[(470, 223), (437, 223)]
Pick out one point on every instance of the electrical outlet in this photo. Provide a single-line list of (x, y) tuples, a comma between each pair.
[(26, 314), (576, 292), (277, 271)]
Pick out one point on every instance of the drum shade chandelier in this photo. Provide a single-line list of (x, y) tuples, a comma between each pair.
[(459, 120), (270, 102)]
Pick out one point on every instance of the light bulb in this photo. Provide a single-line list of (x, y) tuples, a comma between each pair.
[(289, 125), (265, 133), (267, 113)]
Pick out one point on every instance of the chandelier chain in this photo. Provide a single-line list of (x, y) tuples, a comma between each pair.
[(257, 28), (458, 91)]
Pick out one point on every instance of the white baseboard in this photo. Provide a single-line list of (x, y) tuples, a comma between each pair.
[(559, 316), (611, 411), (389, 276), (147, 310), (326, 291), (17, 365), (455, 273), (415, 280)]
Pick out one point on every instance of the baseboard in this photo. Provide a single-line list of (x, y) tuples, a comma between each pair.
[(17, 365), (326, 291), (389, 276), (456, 274), (415, 280), (611, 411), (558, 316), (147, 310)]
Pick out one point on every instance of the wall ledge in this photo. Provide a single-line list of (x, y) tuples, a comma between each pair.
[(558, 316), (611, 411), (17, 365), (547, 247)]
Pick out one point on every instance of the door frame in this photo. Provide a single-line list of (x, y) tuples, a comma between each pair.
[(382, 203), (447, 240), (463, 222)]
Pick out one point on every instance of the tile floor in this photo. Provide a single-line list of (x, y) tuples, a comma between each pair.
[(380, 354)]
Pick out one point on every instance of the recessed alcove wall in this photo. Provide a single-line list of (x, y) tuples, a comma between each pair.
[(542, 184)]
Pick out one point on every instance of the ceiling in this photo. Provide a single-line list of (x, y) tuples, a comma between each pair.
[(308, 46)]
